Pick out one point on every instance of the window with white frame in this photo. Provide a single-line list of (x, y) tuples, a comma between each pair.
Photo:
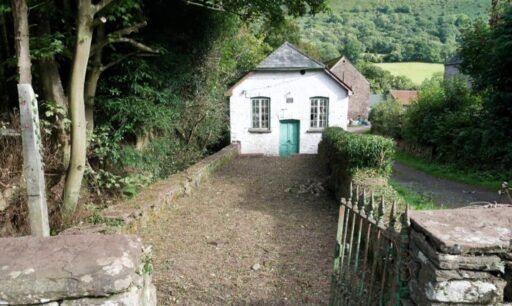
[(319, 112), (260, 113)]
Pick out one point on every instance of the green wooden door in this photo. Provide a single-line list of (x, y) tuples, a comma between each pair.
[(288, 137)]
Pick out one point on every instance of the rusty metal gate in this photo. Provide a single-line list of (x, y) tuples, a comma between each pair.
[(371, 252)]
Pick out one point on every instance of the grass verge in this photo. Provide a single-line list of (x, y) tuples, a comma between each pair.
[(415, 200), (490, 180)]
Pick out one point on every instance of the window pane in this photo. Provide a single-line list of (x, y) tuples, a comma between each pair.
[(255, 113), (261, 113), (264, 113), (314, 113), (319, 114)]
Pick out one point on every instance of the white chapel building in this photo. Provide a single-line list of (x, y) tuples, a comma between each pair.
[(282, 106)]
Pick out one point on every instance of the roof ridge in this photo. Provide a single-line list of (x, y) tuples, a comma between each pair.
[(303, 53), (289, 57)]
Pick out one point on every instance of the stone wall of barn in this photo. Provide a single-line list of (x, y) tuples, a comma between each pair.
[(360, 101)]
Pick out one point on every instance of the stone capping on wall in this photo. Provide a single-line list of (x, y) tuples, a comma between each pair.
[(73, 270), (136, 211), (461, 256)]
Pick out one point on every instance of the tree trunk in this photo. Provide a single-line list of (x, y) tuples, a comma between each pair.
[(77, 107), (493, 21), (142, 140), (54, 91), (20, 16), (96, 68), (4, 54), (29, 117)]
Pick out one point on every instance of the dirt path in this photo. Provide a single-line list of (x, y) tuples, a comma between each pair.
[(245, 238), (448, 193)]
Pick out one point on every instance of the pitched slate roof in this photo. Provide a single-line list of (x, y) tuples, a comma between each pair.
[(288, 57), (404, 97)]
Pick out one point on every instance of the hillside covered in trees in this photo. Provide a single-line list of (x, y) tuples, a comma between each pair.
[(391, 30)]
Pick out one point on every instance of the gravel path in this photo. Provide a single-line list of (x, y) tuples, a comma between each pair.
[(247, 236), (448, 193)]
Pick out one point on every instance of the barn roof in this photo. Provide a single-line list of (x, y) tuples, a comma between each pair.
[(330, 63), (404, 97), (288, 57)]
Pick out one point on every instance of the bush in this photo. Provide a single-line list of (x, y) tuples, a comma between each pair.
[(359, 151), (161, 158), (387, 119), (347, 154), (447, 118)]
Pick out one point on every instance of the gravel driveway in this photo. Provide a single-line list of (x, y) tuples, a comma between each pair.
[(447, 193), (260, 231)]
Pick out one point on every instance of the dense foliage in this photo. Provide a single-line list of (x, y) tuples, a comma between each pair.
[(358, 151), (387, 118), (487, 59), (356, 158), (392, 31), (450, 121), (444, 119)]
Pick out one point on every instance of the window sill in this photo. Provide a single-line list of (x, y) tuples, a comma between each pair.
[(260, 131), (315, 130)]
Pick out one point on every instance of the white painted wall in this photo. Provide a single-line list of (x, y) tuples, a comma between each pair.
[(278, 86)]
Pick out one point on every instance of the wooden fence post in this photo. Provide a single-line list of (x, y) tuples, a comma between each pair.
[(32, 161)]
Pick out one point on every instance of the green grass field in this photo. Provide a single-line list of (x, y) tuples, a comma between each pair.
[(417, 72)]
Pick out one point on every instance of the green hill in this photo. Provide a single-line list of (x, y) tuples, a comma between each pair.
[(471, 8), (392, 30)]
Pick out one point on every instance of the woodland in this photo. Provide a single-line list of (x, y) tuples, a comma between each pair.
[(392, 31)]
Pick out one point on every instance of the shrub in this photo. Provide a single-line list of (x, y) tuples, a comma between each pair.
[(447, 118), (359, 151), (347, 154), (387, 119), (161, 158)]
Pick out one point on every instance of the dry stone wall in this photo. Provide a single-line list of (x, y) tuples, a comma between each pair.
[(127, 216), (461, 256), (76, 270)]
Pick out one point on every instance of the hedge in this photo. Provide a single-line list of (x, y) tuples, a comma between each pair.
[(359, 151), (350, 156)]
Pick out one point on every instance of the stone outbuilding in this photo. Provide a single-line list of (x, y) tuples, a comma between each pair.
[(282, 106), (348, 73), (452, 67), (452, 70)]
